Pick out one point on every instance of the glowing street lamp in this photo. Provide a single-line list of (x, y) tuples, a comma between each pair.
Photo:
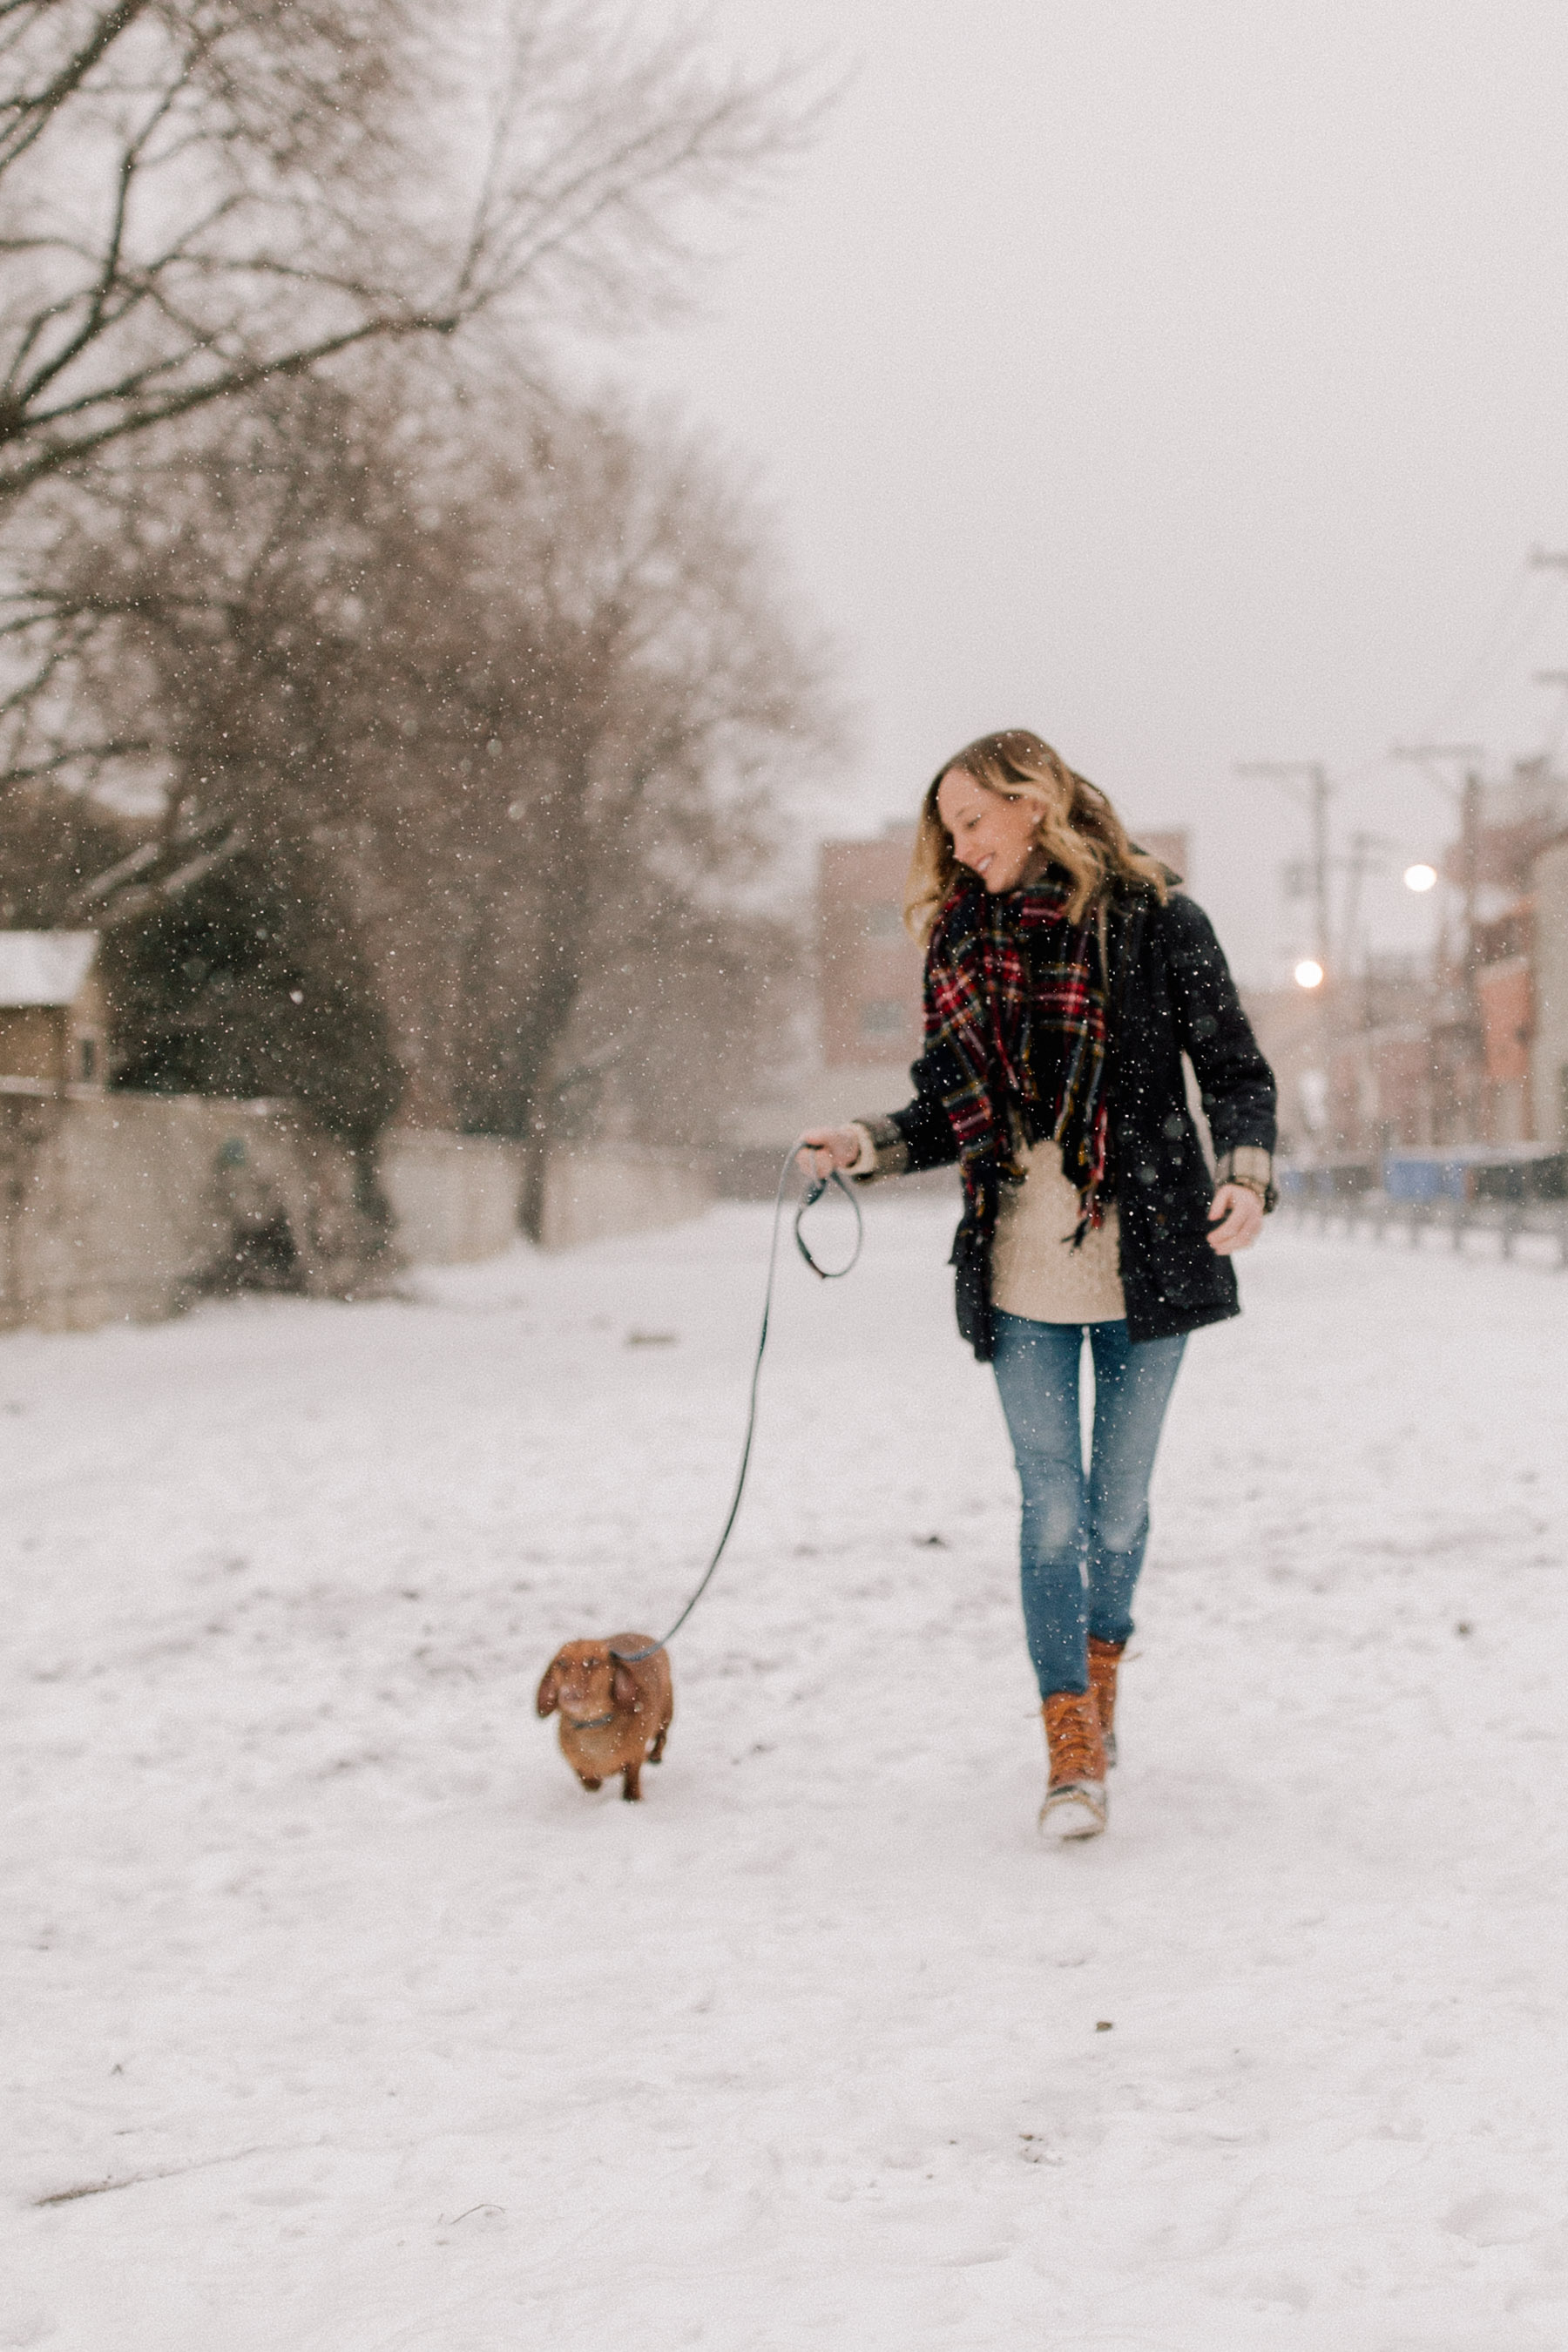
[(1420, 879), (1308, 972)]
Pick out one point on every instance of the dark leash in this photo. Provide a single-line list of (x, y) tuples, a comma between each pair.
[(813, 1193)]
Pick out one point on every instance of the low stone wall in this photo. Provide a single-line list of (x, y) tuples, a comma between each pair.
[(457, 1197), (603, 1189), (119, 1207), (116, 1206), (453, 1198)]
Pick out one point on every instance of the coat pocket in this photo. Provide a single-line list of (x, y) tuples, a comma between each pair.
[(971, 1263)]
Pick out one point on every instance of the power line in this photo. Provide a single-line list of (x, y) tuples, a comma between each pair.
[(1502, 614), (1426, 754)]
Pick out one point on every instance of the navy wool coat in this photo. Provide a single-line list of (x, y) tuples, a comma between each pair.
[(1170, 993)]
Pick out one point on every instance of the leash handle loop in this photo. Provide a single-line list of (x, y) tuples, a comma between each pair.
[(813, 1193)]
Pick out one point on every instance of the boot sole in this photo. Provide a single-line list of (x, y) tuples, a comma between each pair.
[(1073, 1812)]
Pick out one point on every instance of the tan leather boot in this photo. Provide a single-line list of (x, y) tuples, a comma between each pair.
[(1074, 1803), (1104, 1657)]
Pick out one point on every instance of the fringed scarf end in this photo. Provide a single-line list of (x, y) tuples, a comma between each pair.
[(1091, 1217)]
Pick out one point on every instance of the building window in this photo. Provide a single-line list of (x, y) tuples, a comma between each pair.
[(89, 1060), (881, 1016)]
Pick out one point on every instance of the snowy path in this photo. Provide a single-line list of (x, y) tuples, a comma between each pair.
[(395, 2041)]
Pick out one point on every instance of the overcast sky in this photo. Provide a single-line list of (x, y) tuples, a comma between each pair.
[(1187, 379)]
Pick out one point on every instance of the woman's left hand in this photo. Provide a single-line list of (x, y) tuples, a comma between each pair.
[(1236, 1218)]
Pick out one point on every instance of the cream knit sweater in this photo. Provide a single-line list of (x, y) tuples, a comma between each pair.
[(1035, 1270)]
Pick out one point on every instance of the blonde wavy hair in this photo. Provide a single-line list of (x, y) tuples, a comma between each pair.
[(1077, 828)]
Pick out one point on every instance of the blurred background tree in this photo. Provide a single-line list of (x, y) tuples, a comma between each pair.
[(252, 983), (203, 196), (342, 660), (52, 844), (513, 674)]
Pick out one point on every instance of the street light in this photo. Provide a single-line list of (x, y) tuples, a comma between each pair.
[(1308, 972), (1420, 879)]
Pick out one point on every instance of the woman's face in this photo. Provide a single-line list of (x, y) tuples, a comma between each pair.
[(993, 834)]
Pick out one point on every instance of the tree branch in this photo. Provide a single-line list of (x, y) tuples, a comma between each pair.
[(24, 116), (268, 180)]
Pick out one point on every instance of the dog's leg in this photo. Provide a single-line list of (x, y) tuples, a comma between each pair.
[(631, 1783), (656, 1753), (589, 1784)]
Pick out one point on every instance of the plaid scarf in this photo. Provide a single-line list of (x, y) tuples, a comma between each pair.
[(1023, 1035)]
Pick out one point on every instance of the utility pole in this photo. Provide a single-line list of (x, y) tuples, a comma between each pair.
[(1470, 862), (1306, 779), (1431, 756), (1365, 858), (1467, 1028), (1367, 850), (1318, 794)]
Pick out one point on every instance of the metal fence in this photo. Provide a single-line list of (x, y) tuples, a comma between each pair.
[(1510, 1220)]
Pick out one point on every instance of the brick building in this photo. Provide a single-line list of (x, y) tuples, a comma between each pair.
[(1472, 1049), (868, 967), (1354, 1067), (1548, 1011)]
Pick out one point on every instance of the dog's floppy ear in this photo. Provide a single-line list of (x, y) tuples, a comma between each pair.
[(549, 1696), (624, 1686)]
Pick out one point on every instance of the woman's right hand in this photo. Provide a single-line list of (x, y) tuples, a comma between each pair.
[(823, 1148)]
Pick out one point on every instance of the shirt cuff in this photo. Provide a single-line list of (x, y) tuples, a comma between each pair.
[(883, 1151)]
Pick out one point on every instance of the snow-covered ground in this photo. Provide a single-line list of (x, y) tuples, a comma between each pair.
[(374, 2033)]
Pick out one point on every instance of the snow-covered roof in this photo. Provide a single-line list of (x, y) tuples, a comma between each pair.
[(44, 967)]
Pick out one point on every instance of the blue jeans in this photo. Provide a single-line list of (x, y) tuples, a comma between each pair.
[(1084, 1529)]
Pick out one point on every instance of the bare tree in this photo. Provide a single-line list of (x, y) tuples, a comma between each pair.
[(53, 845), (155, 645), (643, 703), (704, 710), (525, 677), (200, 196)]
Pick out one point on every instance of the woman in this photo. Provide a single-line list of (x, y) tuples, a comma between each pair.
[(1063, 984)]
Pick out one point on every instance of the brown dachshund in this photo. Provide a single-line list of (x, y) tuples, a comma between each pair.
[(613, 1715)]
